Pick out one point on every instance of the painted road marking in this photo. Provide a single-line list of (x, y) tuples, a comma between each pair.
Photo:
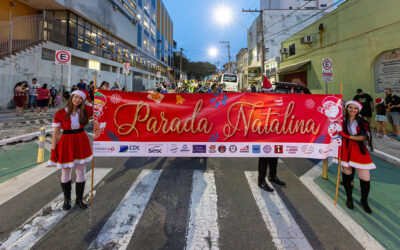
[(362, 236), (40, 223), (285, 232), (119, 228), (22, 182), (202, 232)]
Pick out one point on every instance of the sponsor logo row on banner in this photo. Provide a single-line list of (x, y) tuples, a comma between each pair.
[(187, 149)]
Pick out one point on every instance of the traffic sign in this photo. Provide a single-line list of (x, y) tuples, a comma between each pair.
[(63, 57), (126, 67), (327, 70)]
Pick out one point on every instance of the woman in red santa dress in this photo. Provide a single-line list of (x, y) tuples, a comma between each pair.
[(73, 149), (356, 132)]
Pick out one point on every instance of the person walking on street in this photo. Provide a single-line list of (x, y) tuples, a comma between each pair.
[(354, 153), (367, 104), (42, 99), (380, 118), (53, 94), (73, 149), (91, 90), (265, 162), (32, 95), (19, 97), (393, 111), (81, 85)]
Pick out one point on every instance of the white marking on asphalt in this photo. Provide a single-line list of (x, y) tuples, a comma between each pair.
[(380, 153), (362, 236), (40, 223), (285, 232), (22, 182), (202, 232), (120, 227)]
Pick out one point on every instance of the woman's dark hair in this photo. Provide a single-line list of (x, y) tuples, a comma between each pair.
[(365, 130), (44, 86), (18, 84), (380, 107)]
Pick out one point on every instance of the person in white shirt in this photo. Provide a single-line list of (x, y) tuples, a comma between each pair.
[(32, 93)]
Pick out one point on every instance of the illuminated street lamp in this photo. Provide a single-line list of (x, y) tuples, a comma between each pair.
[(222, 14)]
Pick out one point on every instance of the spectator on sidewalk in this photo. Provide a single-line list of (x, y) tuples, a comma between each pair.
[(367, 104), (354, 153), (42, 99), (53, 94), (393, 111), (91, 90), (380, 118), (115, 87), (58, 99), (73, 149), (66, 94), (32, 96), (19, 97), (81, 85)]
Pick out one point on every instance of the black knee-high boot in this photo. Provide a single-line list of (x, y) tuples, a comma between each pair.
[(347, 179), (66, 187), (365, 186), (80, 187)]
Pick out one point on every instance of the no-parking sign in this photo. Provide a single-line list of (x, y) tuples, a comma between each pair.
[(327, 75), (63, 57), (126, 67)]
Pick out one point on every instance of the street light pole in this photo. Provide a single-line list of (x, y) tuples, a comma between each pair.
[(229, 54), (180, 65)]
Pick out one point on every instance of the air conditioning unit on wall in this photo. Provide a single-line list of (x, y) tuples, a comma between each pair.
[(306, 39), (284, 51)]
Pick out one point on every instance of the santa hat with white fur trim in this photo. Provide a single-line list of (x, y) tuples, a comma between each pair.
[(358, 104), (379, 100), (82, 93)]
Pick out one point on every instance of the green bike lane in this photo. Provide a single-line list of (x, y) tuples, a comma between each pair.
[(384, 199), (19, 158)]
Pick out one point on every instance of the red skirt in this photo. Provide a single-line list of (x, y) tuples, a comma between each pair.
[(19, 101), (352, 156), (72, 149)]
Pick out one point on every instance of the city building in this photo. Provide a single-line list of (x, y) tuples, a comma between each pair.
[(253, 50), (362, 40), (281, 19), (242, 63), (104, 34)]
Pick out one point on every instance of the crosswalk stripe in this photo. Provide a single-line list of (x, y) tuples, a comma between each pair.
[(40, 223), (22, 182), (203, 232), (120, 227), (285, 232)]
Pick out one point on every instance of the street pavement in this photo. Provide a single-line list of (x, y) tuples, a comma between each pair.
[(194, 203)]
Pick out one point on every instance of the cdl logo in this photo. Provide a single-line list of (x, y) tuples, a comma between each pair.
[(134, 147)]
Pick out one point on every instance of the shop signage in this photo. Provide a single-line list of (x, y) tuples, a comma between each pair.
[(387, 71), (94, 65)]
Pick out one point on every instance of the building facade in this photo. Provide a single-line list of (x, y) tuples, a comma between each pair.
[(109, 32), (362, 41), (253, 50), (242, 63)]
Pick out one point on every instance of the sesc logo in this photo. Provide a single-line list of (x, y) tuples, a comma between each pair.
[(199, 148), (232, 149), (267, 149), (256, 149), (222, 149), (212, 149), (278, 149), (123, 148), (154, 149)]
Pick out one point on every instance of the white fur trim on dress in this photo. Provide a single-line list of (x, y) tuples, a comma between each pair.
[(56, 125), (70, 164), (355, 164)]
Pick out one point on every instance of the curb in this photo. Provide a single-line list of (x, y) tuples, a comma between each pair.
[(386, 157), (27, 137)]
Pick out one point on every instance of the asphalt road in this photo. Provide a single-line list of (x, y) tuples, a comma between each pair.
[(172, 212)]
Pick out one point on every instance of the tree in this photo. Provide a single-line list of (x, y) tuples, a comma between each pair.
[(196, 69)]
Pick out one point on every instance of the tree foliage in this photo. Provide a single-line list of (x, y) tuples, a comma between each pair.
[(194, 69)]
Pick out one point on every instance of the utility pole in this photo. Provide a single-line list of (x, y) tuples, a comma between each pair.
[(180, 66), (261, 44), (229, 54)]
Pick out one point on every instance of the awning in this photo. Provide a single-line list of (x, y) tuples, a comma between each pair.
[(293, 67)]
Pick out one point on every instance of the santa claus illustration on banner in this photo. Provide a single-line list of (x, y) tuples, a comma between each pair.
[(332, 109)]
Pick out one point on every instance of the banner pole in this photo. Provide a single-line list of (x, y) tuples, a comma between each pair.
[(91, 185), (340, 152)]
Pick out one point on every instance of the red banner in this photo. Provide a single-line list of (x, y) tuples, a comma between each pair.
[(216, 125)]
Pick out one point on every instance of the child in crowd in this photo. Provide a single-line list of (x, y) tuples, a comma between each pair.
[(380, 118), (58, 98)]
